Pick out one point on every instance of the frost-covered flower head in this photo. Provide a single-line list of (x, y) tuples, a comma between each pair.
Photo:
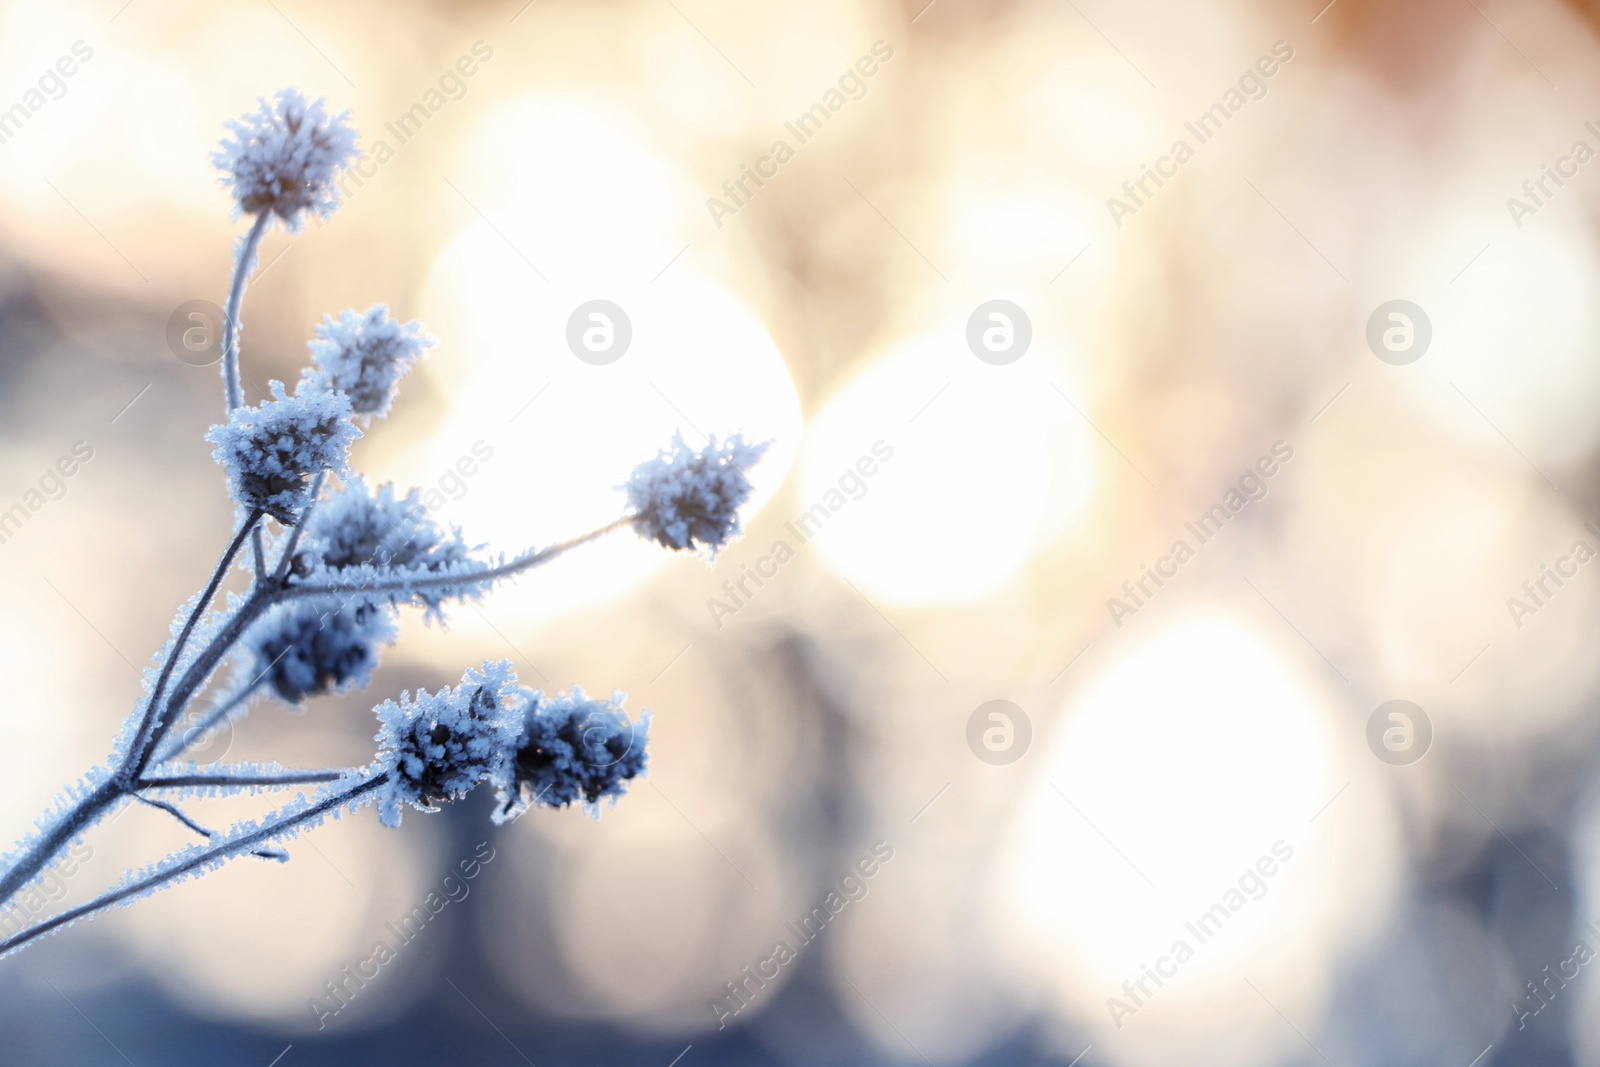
[(364, 357), (356, 526), (284, 156), (436, 748), (272, 451), (304, 650), (687, 499), (571, 749), (359, 533)]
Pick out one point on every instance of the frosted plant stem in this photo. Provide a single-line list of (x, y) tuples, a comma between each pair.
[(524, 562), (88, 810), (230, 315), (244, 844), (258, 555), (159, 720), (172, 810), (201, 669), (300, 524), (278, 779), (194, 733), (81, 817), (138, 751)]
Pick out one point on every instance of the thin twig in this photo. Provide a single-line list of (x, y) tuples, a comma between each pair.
[(202, 667), (300, 524), (230, 315), (153, 713), (432, 581), (245, 844), (172, 809), (69, 826), (287, 778), (182, 741), (258, 555)]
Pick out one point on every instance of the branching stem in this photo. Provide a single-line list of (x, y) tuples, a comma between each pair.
[(244, 844), (151, 727), (179, 743)]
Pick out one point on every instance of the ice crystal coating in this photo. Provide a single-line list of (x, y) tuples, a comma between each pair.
[(688, 499), (356, 526), (437, 747), (571, 749), (305, 650), (364, 357), (283, 158), (356, 534), (271, 451)]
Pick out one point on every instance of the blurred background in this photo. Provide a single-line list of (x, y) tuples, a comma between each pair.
[(1309, 291)]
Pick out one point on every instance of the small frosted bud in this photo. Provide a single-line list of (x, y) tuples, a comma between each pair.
[(272, 451), (437, 747), (304, 650), (356, 528), (283, 158), (364, 357), (571, 749), (687, 499)]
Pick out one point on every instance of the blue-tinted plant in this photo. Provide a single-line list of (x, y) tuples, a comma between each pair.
[(326, 587)]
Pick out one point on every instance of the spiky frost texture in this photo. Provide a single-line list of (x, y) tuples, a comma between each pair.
[(349, 793), (363, 356), (284, 156), (687, 499), (437, 747), (272, 451), (308, 649), (571, 749), (357, 534)]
